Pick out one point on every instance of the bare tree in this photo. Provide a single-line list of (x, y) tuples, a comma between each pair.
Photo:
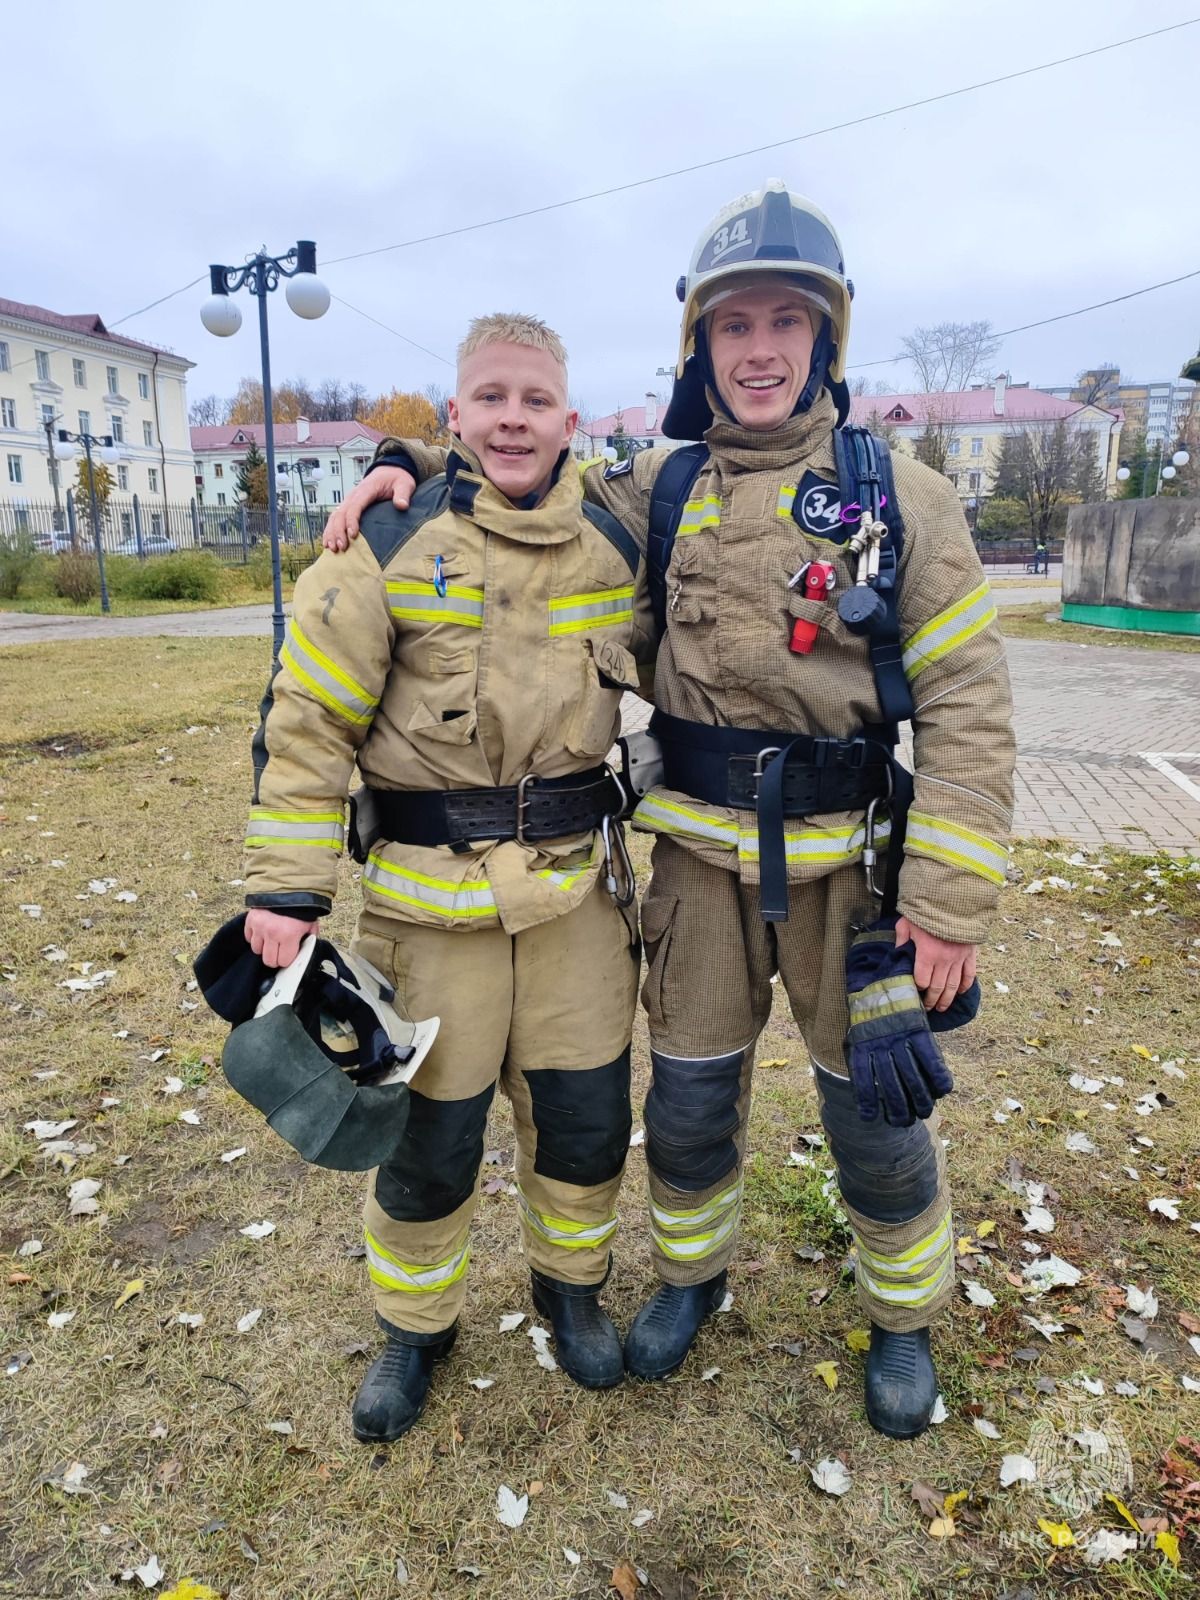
[(951, 355), (932, 444), (439, 398), (1046, 465), (1097, 386), (209, 411), (883, 429)]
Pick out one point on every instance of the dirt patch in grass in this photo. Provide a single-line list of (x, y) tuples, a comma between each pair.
[(173, 1420), (1045, 622)]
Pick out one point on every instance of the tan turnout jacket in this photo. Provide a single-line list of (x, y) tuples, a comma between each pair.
[(725, 657), (517, 669)]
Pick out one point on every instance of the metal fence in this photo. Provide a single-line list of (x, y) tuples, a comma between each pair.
[(145, 528), (1017, 552)]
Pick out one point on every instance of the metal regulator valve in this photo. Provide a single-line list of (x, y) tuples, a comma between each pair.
[(862, 607)]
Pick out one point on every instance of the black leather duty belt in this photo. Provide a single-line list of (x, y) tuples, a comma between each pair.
[(531, 811)]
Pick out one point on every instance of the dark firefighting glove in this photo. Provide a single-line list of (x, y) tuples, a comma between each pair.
[(894, 1060)]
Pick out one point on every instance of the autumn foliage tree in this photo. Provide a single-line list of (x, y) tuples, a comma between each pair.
[(403, 415)]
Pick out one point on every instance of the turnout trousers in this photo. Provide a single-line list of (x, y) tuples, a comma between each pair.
[(547, 1013), (707, 997)]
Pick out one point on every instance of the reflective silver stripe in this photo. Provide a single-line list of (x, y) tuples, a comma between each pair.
[(916, 1255), (390, 1273), (665, 816), (441, 895), (704, 512), (681, 1248), (883, 998), (912, 1295), (322, 677), (949, 629), (601, 609), (420, 602), (816, 844), (564, 1233), (702, 1214), (293, 827), (957, 846)]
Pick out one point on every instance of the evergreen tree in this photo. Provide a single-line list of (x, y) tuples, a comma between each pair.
[(251, 482)]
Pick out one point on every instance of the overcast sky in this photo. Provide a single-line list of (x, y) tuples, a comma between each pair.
[(145, 141)]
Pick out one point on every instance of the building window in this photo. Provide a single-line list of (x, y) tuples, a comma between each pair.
[(8, 413), (360, 468), (335, 467), (117, 424), (85, 422), (126, 525), (220, 499), (143, 386), (156, 523), (123, 479), (79, 370), (973, 482), (954, 444), (4, 361), (42, 362), (953, 476), (218, 469), (337, 497), (15, 474), (114, 382), (153, 480), (976, 447), (47, 414), (148, 433)]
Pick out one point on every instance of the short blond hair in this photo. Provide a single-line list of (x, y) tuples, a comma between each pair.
[(512, 327)]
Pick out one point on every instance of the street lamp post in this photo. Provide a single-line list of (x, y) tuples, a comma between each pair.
[(1164, 472), (309, 298), (66, 449), (306, 475)]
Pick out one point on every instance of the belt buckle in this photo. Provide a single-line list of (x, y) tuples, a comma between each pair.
[(523, 804), (760, 762)]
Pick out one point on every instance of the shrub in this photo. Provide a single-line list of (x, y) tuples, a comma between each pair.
[(18, 558), (999, 516), (77, 577), (186, 576)]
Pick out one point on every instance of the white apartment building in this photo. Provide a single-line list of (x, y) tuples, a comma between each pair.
[(342, 450), (71, 372)]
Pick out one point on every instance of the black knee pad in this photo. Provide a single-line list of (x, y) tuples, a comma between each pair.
[(692, 1119), (434, 1170), (583, 1121), (888, 1174)]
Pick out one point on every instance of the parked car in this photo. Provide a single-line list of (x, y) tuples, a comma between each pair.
[(153, 544), (52, 543)]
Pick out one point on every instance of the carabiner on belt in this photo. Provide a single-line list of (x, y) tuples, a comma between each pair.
[(622, 896)]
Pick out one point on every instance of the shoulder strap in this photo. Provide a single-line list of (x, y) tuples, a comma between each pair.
[(387, 530), (668, 495), (866, 479), (615, 532)]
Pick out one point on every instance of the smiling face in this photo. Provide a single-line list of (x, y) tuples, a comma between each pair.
[(761, 343), (511, 409)]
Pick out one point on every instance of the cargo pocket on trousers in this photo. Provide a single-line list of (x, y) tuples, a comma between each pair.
[(606, 669), (658, 915)]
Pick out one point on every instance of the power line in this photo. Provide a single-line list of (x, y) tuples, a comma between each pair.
[(395, 331), (1063, 316), (777, 144), (129, 315)]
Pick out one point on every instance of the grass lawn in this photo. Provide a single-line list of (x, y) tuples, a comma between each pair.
[(126, 606), (1045, 622), (127, 760)]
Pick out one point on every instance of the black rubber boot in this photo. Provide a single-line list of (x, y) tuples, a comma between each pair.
[(588, 1346), (392, 1396), (665, 1329), (902, 1387)]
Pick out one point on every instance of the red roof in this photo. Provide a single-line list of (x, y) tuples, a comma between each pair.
[(321, 435), (965, 406), (634, 420), (87, 323)]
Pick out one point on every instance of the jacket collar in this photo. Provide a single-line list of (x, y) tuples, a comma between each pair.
[(472, 495), (807, 438)]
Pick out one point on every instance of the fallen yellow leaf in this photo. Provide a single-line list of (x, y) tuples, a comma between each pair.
[(1035, 1044), (1058, 1533), (858, 1339), (189, 1590), (952, 1501), (1124, 1510), (134, 1286), (775, 1061), (1001, 1073), (827, 1370), (1140, 1050), (984, 1228), (942, 1528), (1168, 1543)]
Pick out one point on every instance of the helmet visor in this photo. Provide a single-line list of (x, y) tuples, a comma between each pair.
[(710, 297)]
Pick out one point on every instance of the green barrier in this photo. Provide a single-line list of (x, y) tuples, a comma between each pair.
[(1134, 619)]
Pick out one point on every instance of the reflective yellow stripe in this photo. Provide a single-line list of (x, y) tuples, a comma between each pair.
[(565, 1234), (665, 816), (324, 679), (940, 1239), (704, 1213), (698, 1246), (460, 605), (787, 496), (956, 846), (390, 1272), (701, 513), (444, 897), (919, 1293), (890, 997), (603, 608), (322, 829), (816, 844), (948, 630)]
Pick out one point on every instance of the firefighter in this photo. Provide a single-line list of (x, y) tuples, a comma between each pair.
[(469, 656), (744, 718)]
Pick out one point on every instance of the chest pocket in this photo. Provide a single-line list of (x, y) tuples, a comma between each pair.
[(440, 648)]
